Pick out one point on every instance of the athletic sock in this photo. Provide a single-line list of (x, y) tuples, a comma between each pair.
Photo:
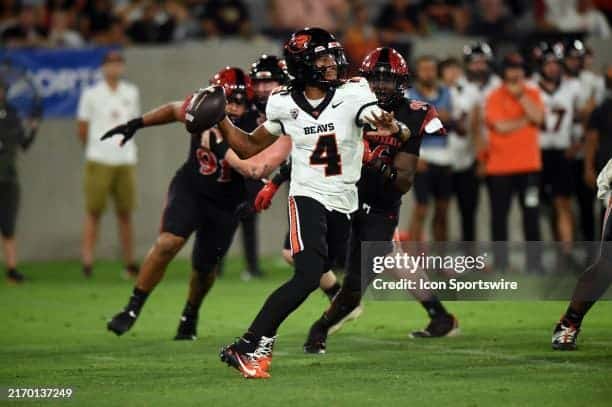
[(434, 308), (190, 311), (332, 291), (137, 300), (575, 317), (342, 305)]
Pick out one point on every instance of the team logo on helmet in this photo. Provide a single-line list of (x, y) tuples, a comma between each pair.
[(299, 43)]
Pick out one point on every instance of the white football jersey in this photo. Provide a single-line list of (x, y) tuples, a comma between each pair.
[(591, 86), (327, 145), (483, 92), (561, 106), (465, 97)]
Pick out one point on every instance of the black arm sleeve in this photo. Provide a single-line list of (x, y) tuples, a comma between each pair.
[(284, 174)]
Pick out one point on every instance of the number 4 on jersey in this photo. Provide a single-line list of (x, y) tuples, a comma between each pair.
[(326, 153)]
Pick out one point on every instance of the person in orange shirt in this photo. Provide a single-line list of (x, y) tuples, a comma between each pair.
[(510, 158)]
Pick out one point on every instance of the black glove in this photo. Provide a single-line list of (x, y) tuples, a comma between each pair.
[(127, 129)]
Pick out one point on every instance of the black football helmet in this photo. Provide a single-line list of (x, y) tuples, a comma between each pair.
[(301, 52), (545, 53), (472, 52), (575, 52), (387, 73), (478, 49), (267, 68)]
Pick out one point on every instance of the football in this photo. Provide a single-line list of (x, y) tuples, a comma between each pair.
[(206, 108)]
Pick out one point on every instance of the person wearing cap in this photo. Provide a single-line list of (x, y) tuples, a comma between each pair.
[(13, 136), (513, 113), (109, 168)]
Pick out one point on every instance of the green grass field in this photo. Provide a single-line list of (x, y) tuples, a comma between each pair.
[(54, 335)]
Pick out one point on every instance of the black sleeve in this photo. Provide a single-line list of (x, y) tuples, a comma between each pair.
[(284, 173), (412, 145)]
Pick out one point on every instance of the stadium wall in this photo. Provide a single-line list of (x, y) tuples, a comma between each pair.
[(51, 172)]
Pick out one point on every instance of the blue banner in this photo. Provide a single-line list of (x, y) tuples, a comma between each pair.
[(59, 75)]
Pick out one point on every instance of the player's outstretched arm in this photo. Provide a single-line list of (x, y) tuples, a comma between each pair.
[(244, 144), (168, 113)]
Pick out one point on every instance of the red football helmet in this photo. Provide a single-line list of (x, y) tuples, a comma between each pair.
[(387, 72), (236, 83)]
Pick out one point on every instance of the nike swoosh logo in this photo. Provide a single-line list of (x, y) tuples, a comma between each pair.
[(337, 104), (250, 372)]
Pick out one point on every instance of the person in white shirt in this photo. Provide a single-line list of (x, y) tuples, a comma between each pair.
[(109, 169), (561, 97), (592, 90), (586, 18), (461, 137)]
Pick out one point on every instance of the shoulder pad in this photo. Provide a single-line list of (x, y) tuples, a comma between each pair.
[(280, 90)]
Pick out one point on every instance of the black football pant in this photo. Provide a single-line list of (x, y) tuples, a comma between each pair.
[(367, 225), (595, 281), (466, 187), (502, 189), (585, 197), (317, 238)]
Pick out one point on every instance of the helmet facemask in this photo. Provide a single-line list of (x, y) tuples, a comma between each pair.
[(320, 73), (388, 87)]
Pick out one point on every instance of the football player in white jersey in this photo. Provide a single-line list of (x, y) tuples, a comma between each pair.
[(323, 115), (561, 97), (478, 58), (461, 132), (592, 90)]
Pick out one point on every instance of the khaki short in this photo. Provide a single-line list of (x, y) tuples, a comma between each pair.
[(102, 180)]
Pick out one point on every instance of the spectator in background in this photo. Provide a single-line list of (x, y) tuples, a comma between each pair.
[(445, 16), (592, 89), (491, 18), (96, 20), (109, 168), (433, 180), (399, 17), (584, 17), (153, 25), (513, 113), (288, 16), (360, 37), (27, 31), (13, 136), (225, 17), (462, 133), (60, 34), (115, 35), (9, 13)]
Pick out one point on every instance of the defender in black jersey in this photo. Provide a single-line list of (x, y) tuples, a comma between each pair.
[(203, 197), (387, 174)]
